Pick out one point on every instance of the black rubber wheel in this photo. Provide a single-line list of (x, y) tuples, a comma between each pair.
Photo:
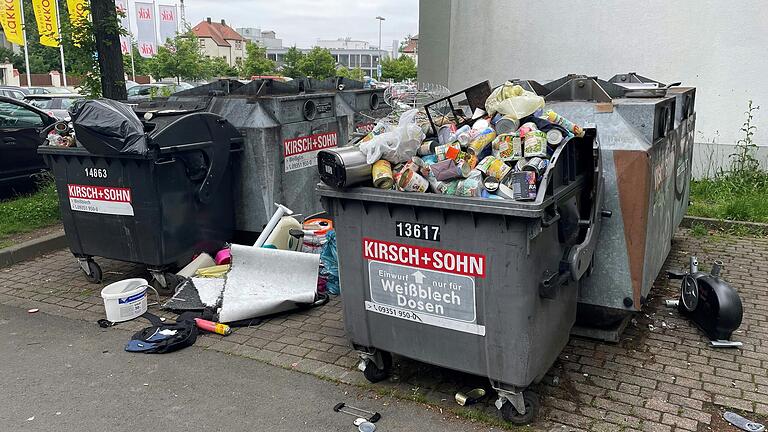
[(373, 374), (166, 289), (510, 414), (95, 272)]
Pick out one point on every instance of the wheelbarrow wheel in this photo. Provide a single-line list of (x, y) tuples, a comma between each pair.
[(94, 274), (510, 414), (372, 372)]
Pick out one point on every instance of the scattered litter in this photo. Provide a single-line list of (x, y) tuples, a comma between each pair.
[(58, 412), (146, 384), (651, 327), (742, 423), (34, 310), (213, 327), (31, 418), (471, 397), (357, 412), (163, 319)]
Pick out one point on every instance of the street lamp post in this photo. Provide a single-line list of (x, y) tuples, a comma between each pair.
[(378, 68)]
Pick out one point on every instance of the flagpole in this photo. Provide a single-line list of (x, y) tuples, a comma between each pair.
[(130, 40), (26, 51), (61, 45)]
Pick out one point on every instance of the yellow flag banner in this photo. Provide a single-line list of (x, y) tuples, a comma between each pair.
[(10, 10), (77, 10), (47, 22)]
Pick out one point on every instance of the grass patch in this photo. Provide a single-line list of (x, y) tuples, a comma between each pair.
[(740, 197), (29, 212)]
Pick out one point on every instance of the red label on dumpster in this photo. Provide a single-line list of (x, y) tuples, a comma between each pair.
[(301, 152), (100, 199), (460, 263)]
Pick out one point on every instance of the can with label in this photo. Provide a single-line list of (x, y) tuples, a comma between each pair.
[(441, 150), (480, 141), (436, 185), (379, 129), (508, 147), (537, 165), (535, 144), (469, 187), (427, 147), (411, 181), (564, 122), (527, 127), (382, 174), (491, 184), (458, 155), (523, 185), (554, 137), (507, 125), (445, 133), (418, 165), (493, 167)]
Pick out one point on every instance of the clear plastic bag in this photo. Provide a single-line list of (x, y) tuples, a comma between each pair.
[(398, 144), (513, 101)]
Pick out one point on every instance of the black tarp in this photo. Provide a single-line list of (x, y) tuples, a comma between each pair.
[(105, 126)]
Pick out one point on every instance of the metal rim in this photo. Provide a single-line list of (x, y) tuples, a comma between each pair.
[(689, 293), (310, 110)]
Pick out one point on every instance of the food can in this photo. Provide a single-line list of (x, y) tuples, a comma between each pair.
[(535, 144), (491, 184), (554, 137), (445, 133), (493, 167), (523, 185), (537, 165), (506, 125), (418, 165), (505, 192), (458, 155), (436, 185), (427, 147), (564, 122), (411, 181), (483, 138), (468, 187), (508, 147), (463, 168), (382, 174), (441, 150)]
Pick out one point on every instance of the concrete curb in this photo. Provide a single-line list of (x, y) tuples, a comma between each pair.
[(721, 224), (32, 249)]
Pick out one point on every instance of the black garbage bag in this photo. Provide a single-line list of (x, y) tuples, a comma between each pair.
[(105, 126)]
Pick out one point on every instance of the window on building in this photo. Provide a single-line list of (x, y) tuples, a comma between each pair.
[(238, 45), (202, 42)]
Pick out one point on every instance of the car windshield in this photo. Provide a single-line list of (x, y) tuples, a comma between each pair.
[(67, 102), (58, 90), (42, 103)]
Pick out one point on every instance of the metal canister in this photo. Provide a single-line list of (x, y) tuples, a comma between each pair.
[(523, 185), (482, 139), (506, 125), (554, 137), (441, 150), (343, 167), (468, 187), (537, 165), (417, 164), (436, 185), (427, 147), (535, 144), (445, 132), (411, 181), (508, 147), (494, 167), (382, 174), (491, 184), (564, 122)]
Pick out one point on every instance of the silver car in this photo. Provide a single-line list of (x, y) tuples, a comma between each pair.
[(55, 105)]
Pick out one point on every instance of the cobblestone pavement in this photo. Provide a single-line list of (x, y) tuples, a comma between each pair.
[(662, 376)]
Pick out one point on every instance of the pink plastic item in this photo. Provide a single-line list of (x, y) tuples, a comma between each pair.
[(223, 257)]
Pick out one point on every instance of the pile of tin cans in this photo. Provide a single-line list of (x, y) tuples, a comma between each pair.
[(493, 157)]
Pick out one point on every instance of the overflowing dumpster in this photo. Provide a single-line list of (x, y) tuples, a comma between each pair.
[(467, 277), (156, 198), (646, 131)]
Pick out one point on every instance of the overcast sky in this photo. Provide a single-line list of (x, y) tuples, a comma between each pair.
[(303, 22)]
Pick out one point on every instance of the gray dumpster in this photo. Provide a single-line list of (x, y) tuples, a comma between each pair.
[(483, 286), (367, 104), (647, 142)]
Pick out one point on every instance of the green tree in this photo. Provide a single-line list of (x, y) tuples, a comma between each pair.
[(291, 61), (256, 61), (401, 69), (318, 63), (218, 67), (79, 53), (180, 58), (140, 63), (355, 74)]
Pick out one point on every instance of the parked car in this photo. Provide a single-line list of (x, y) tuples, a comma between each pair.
[(129, 84), (144, 92), (13, 92), (54, 104), (20, 128), (49, 90)]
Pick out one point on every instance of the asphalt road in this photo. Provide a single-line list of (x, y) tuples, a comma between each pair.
[(58, 374)]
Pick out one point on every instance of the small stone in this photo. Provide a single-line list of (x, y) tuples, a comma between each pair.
[(31, 418), (146, 384)]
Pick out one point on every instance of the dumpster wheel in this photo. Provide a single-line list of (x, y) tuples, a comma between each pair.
[(532, 404), (93, 274), (372, 372)]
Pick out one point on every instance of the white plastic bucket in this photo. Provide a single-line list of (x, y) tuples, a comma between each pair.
[(125, 300)]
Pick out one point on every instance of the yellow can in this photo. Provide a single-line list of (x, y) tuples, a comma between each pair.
[(382, 174)]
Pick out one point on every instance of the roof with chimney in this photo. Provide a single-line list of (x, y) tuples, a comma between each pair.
[(220, 32), (412, 46)]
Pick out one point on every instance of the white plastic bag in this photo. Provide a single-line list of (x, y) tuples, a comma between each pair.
[(513, 101), (398, 144)]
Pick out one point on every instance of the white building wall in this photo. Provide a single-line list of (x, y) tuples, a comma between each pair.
[(718, 47)]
